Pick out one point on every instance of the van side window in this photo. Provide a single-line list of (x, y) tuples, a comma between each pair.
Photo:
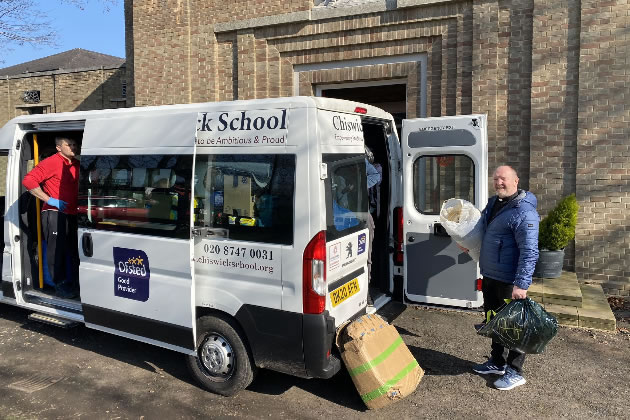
[(438, 178), (246, 197), (143, 194), (346, 194)]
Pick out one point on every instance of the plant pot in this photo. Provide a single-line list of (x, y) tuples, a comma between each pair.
[(549, 264)]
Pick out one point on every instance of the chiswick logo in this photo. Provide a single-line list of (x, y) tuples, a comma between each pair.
[(347, 123), (345, 129), (242, 128), (131, 274)]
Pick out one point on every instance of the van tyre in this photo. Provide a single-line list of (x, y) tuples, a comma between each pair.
[(223, 363)]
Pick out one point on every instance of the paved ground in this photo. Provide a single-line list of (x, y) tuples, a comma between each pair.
[(99, 376)]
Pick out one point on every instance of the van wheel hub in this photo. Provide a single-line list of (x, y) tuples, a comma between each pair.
[(217, 357)]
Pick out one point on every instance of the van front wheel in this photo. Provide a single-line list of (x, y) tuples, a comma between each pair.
[(222, 363)]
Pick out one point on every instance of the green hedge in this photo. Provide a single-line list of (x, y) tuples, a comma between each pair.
[(558, 228)]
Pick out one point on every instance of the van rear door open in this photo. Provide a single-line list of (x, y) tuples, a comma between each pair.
[(443, 158)]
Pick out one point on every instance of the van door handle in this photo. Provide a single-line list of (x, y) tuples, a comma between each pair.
[(86, 243)]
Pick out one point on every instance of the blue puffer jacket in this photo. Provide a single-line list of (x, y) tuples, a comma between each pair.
[(509, 249)]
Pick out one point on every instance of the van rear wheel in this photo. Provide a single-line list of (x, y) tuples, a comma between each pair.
[(222, 363)]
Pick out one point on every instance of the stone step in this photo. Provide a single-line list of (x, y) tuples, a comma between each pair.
[(594, 313), (564, 290)]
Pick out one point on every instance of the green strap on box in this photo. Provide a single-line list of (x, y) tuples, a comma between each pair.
[(383, 389), (378, 359)]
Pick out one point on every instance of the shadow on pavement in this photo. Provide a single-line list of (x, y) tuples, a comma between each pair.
[(438, 363), (392, 310), (339, 389), (144, 356)]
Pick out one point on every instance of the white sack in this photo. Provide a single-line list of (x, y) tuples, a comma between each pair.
[(461, 219)]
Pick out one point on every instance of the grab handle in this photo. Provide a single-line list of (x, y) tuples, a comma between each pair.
[(86, 243), (439, 230)]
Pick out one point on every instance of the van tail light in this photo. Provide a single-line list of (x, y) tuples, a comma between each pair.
[(398, 236), (360, 110), (479, 283), (314, 275)]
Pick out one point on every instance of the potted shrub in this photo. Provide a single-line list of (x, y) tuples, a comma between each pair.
[(556, 230)]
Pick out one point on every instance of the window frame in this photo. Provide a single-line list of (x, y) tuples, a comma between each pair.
[(233, 227)]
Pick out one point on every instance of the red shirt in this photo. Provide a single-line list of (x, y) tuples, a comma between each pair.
[(59, 178)]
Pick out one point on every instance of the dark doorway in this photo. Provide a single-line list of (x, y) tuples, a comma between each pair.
[(391, 98)]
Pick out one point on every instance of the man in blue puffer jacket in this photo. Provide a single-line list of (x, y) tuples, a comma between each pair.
[(509, 251)]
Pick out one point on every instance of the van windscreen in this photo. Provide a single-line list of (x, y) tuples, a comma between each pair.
[(346, 194)]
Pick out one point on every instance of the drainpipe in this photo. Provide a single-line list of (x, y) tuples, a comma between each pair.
[(54, 93), (9, 97), (189, 52), (102, 87)]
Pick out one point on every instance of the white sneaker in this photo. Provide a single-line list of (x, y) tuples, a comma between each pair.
[(510, 379)]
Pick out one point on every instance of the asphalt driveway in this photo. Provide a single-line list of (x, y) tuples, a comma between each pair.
[(89, 374)]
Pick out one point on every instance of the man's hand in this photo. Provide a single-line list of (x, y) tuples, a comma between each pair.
[(518, 293), (60, 204)]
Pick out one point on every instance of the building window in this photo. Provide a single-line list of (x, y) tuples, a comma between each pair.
[(124, 89), (31, 96)]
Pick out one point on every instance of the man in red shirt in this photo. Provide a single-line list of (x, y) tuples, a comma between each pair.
[(55, 181)]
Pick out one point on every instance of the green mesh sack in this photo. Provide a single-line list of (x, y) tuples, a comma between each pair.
[(522, 325)]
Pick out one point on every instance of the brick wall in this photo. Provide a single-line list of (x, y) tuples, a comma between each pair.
[(603, 145), (63, 91), (554, 101), (550, 75)]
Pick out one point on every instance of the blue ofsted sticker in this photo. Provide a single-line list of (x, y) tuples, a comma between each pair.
[(361, 247), (131, 274)]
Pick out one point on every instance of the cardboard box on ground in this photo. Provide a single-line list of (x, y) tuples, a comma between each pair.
[(381, 366)]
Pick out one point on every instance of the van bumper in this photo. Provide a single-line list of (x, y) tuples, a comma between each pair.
[(319, 338)]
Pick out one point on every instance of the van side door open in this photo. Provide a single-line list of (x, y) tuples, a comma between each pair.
[(443, 158), (134, 228)]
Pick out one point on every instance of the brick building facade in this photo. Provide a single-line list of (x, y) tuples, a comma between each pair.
[(75, 80), (551, 75)]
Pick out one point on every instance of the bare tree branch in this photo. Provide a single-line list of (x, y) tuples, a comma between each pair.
[(22, 22), (107, 4)]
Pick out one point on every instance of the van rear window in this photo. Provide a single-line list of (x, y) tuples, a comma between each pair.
[(246, 197), (438, 178), (346, 194)]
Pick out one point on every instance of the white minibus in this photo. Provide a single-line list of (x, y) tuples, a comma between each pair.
[(237, 232)]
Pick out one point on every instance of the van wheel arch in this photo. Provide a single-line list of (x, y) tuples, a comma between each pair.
[(223, 361)]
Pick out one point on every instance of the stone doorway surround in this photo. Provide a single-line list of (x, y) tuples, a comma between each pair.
[(409, 69)]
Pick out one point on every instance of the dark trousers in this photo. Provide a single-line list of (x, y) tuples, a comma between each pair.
[(494, 292), (62, 247)]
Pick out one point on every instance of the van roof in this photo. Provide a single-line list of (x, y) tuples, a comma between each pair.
[(332, 104)]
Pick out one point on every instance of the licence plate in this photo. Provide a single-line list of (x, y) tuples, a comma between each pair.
[(344, 292)]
